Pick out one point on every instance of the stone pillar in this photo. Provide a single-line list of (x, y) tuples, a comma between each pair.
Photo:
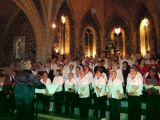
[(103, 39), (44, 49), (76, 42)]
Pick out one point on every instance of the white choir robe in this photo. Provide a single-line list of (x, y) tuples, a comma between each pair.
[(120, 75), (105, 77), (70, 84), (49, 91), (89, 77), (47, 82), (101, 85), (114, 87), (135, 85), (92, 66), (58, 80), (54, 67), (83, 89), (77, 79), (64, 72)]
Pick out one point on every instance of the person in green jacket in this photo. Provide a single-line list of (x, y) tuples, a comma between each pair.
[(25, 84)]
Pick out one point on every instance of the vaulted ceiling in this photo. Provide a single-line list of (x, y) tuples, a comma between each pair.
[(7, 11)]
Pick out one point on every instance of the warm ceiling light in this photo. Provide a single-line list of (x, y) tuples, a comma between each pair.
[(53, 25), (145, 22), (117, 30), (63, 19)]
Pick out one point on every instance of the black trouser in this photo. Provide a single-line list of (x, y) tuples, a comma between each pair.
[(69, 102), (84, 107), (100, 104), (46, 101), (115, 106), (7, 104), (25, 111), (152, 110), (134, 107), (1, 101), (57, 101), (76, 103)]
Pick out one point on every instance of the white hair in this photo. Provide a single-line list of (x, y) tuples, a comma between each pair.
[(26, 64)]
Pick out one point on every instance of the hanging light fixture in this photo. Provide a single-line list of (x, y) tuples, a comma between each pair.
[(53, 25), (117, 30), (63, 19), (145, 22)]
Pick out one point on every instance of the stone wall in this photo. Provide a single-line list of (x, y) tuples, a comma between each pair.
[(20, 26)]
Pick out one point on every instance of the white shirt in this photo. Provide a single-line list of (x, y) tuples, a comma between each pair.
[(58, 80), (54, 67), (105, 76), (70, 84), (101, 85), (48, 81), (114, 87), (120, 75), (135, 85), (64, 72), (83, 89), (92, 66), (89, 77), (77, 79)]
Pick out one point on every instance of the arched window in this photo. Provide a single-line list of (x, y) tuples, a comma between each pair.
[(63, 42), (144, 36), (90, 42), (63, 36), (117, 36)]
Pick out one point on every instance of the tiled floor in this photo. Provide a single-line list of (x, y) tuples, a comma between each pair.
[(49, 116), (52, 116)]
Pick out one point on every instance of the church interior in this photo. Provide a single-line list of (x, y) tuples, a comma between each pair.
[(77, 27), (42, 29)]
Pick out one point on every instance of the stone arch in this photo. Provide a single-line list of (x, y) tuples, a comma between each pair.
[(23, 31), (142, 13), (68, 4), (32, 14), (66, 10), (89, 20), (119, 21)]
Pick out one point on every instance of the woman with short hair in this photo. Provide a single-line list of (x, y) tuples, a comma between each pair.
[(115, 93), (152, 85), (70, 86), (99, 86), (58, 80), (25, 84), (134, 89), (84, 94)]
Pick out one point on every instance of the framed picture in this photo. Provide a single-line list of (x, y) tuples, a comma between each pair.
[(19, 47)]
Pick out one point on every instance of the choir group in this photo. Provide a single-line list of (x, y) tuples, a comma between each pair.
[(107, 78)]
